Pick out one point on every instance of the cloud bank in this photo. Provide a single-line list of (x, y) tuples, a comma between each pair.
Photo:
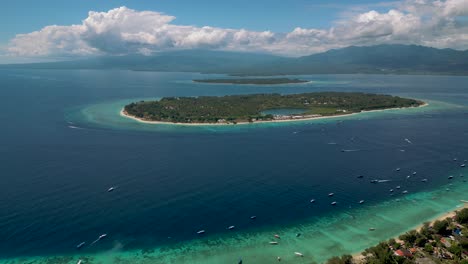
[(440, 24)]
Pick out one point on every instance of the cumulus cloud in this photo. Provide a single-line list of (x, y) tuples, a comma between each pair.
[(436, 23)]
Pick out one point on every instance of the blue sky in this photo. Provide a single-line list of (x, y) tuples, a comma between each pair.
[(24, 16), (58, 29)]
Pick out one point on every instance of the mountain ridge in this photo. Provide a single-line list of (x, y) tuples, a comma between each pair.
[(378, 59)]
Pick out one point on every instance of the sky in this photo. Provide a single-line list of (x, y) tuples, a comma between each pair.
[(34, 30)]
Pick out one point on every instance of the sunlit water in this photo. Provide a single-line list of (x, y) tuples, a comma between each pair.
[(64, 144)]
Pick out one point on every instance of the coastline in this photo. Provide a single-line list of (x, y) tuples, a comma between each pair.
[(123, 113), (359, 258)]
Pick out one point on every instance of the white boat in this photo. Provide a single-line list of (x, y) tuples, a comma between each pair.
[(201, 232), (398, 187), (253, 217), (273, 243), (102, 236), (79, 261), (299, 254), (231, 227), (361, 202), (414, 173), (277, 236), (331, 194), (80, 245), (450, 177), (372, 229), (398, 169), (424, 180), (463, 165), (111, 189), (333, 203), (312, 201), (405, 192), (391, 190)]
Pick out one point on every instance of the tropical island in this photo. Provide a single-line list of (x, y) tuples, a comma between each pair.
[(257, 81), (444, 240), (235, 109)]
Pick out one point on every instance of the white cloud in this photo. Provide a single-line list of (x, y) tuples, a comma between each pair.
[(122, 30)]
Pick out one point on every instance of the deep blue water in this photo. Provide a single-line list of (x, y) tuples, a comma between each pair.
[(171, 184)]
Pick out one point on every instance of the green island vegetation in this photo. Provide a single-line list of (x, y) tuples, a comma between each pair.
[(258, 81), (250, 108), (443, 241)]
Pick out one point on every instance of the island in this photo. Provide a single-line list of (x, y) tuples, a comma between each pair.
[(251, 108), (258, 81)]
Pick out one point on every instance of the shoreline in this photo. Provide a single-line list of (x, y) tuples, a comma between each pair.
[(123, 113), (358, 257)]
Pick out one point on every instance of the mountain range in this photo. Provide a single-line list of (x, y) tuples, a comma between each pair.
[(380, 59)]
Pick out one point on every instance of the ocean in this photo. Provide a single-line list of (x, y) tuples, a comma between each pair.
[(63, 144)]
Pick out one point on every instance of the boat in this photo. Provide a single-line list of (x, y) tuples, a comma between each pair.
[(79, 261), (273, 243), (414, 173), (450, 177), (201, 232), (102, 236), (405, 192), (424, 180), (398, 187), (278, 258), (277, 236), (80, 245), (231, 227), (361, 202), (331, 194), (398, 169), (407, 177), (374, 181), (463, 165), (312, 201), (372, 229), (333, 203), (455, 159), (253, 217), (111, 189), (299, 254)]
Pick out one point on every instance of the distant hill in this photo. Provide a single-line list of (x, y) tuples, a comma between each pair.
[(384, 59)]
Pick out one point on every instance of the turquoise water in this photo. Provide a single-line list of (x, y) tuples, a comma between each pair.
[(67, 144)]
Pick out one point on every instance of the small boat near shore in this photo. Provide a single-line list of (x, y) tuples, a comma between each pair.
[(331, 194), (201, 232), (361, 202), (299, 254), (273, 243), (372, 229), (277, 236), (333, 203), (80, 245), (253, 217), (231, 227)]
